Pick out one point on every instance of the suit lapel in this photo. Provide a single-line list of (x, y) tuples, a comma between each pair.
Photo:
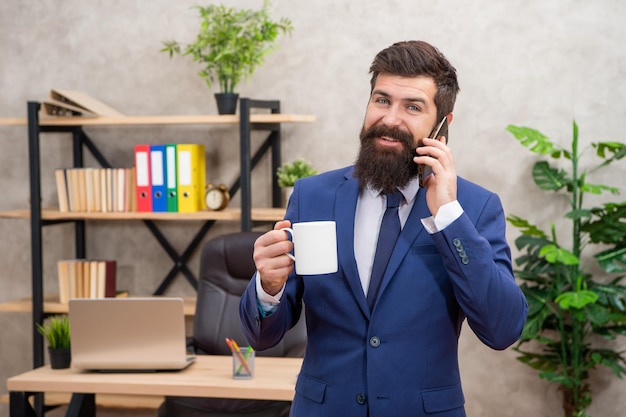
[(347, 195)]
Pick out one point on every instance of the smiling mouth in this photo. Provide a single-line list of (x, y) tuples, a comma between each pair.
[(388, 139)]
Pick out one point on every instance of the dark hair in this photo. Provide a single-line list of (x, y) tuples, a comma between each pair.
[(415, 58)]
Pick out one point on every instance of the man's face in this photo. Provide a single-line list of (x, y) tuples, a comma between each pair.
[(401, 112)]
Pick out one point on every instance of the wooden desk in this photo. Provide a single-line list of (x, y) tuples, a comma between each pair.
[(209, 376)]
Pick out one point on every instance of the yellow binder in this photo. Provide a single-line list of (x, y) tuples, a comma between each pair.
[(190, 159)]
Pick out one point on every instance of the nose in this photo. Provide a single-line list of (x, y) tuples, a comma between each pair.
[(392, 117)]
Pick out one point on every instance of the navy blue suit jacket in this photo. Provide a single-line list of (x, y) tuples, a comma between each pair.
[(401, 358)]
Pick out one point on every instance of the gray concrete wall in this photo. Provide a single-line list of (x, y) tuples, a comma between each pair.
[(536, 63)]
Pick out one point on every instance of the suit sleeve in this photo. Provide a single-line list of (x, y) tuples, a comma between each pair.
[(266, 332), (478, 261)]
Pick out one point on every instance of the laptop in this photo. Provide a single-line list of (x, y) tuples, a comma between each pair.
[(128, 334)]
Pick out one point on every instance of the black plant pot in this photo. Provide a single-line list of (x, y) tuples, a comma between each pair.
[(60, 358), (226, 102)]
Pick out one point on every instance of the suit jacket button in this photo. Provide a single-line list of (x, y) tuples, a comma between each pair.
[(360, 399), (465, 260), (374, 342), (456, 242)]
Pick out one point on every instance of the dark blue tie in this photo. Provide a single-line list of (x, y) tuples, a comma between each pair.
[(389, 232)]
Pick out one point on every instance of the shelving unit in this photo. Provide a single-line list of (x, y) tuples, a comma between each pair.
[(246, 215)]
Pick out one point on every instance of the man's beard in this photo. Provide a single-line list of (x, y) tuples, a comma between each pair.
[(385, 168)]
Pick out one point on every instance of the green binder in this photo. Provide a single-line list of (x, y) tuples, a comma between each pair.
[(170, 180)]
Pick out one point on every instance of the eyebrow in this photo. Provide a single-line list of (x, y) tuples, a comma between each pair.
[(408, 99)]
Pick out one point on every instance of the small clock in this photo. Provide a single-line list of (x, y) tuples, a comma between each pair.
[(216, 197)]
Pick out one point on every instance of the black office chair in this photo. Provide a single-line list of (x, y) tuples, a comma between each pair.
[(226, 267)]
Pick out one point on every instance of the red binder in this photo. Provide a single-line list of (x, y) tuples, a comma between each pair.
[(142, 168)]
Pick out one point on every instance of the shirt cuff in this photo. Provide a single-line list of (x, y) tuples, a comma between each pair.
[(267, 303), (447, 214)]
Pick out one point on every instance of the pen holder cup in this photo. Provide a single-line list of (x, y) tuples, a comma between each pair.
[(243, 364)]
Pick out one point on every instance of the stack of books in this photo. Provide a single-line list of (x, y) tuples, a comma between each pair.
[(96, 189), (82, 278)]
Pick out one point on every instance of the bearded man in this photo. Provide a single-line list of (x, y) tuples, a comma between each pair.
[(383, 330)]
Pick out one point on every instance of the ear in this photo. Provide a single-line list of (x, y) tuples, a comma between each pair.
[(450, 116)]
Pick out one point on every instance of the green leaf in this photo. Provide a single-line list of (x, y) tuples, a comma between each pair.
[(578, 214), (616, 148), (615, 361), (555, 254), (525, 227), (535, 141), (534, 323), (597, 189), (576, 299), (548, 178), (608, 225), (557, 378), (612, 260), (599, 315)]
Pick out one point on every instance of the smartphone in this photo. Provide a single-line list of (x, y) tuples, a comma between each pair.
[(440, 130)]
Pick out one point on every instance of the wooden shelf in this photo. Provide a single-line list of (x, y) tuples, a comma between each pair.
[(51, 305), (258, 214), (160, 120), (12, 121), (150, 402)]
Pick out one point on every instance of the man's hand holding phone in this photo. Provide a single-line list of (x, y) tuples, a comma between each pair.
[(441, 129), (434, 156)]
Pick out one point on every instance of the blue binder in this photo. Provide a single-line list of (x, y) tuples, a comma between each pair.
[(159, 173)]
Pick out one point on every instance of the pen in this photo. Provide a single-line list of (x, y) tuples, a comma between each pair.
[(246, 355), (235, 349)]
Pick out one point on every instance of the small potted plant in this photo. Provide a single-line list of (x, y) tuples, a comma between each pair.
[(56, 330), (288, 173), (231, 44)]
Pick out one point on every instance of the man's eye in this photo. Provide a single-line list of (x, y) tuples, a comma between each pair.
[(382, 100), (413, 108)]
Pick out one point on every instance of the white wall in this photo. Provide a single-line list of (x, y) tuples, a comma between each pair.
[(536, 63)]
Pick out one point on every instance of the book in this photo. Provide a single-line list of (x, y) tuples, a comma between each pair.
[(64, 281), (86, 279), (82, 190), (107, 277), (75, 103), (62, 196)]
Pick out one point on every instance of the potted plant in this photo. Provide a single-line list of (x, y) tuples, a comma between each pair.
[(56, 330), (572, 306), (288, 173), (230, 45)]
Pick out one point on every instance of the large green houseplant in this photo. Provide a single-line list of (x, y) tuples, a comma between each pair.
[(576, 293), (231, 43)]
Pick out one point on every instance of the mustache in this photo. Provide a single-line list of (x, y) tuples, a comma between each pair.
[(392, 132)]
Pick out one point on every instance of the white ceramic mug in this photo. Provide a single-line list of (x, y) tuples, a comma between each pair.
[(314, 247)]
